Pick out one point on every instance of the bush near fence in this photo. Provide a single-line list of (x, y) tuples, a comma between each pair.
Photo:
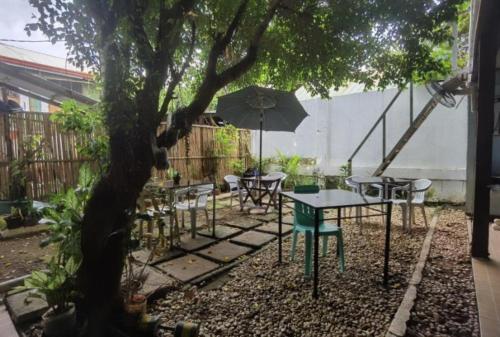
[(57, 167)]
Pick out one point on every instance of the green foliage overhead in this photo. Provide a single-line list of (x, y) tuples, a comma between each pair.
[(318, 44)]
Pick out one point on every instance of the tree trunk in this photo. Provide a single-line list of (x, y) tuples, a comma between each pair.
[(106, 226)]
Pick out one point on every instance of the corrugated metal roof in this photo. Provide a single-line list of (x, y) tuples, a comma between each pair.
[(40, 61)]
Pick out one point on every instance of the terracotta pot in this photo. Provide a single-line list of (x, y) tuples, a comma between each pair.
[(137, 305), (59, 325)]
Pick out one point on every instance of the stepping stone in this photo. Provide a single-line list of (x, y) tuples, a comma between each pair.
[(273, 228), (189, 244), (224, 252), (188, 267), (143, 255), (24, 309), (7, 328), (253, 239), (243, 222), (265, 217), (221, 232), (156, 280)]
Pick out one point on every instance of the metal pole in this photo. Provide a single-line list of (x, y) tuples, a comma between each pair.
[(376, 124), (387, 243), (213, 209), (316, 253), (280, 225), (260, 140)]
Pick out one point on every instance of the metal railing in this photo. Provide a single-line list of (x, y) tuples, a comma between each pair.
[(382, 119)]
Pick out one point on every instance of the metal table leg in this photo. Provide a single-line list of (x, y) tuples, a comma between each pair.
[(280, 225), (339, 217), (387, 243), (213, 211), (316, 253)]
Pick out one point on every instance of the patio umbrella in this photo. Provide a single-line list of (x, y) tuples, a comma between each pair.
[(258, 108)]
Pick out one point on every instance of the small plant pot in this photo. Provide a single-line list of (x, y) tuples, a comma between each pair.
[(136, 306), (59, 325), (14, 222)]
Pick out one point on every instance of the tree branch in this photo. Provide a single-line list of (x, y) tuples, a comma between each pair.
[(177, 75), (223, 40), (183, 119), (135, 15), (249, 59)]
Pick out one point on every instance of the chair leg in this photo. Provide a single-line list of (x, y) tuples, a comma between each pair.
[(231, 200), (182, 217), (340, 249), (192, 215), (325, 245), (405, 218), (294, 245), (206, 215), (176, 227), (308, 253), (425, 217)]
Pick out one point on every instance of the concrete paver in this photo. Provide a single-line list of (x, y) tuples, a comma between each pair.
[(225, 252), (273, 228), (187, 268), (253, 239), (221, 232)]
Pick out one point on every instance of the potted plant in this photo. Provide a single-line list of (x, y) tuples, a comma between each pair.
[(56, 286), (177, 178), (135, 304)]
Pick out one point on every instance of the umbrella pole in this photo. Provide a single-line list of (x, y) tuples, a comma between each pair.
[(260, 150)]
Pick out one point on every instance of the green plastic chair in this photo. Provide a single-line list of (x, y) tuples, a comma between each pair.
[(303, 222)]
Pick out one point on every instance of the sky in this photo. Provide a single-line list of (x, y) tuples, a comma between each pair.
[(12, 27)]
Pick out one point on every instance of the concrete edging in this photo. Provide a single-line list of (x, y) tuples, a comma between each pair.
[(400, 319)]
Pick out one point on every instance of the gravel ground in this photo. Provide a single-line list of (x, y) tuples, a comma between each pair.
[(446, 304), (262, 299)]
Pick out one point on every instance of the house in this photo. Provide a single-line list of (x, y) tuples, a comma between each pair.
[(483, 171), (40, 82)]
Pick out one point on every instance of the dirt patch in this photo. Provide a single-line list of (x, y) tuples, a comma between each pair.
[(21, 255)]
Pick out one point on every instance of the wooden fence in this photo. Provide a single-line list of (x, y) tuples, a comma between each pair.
[(56, 165)]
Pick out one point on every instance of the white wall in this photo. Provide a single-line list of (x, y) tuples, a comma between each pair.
[(335, 128)]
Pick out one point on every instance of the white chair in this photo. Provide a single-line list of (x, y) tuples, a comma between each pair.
[(356, 188), (235, 190), (201, 193), (417, 198), (276, 175)]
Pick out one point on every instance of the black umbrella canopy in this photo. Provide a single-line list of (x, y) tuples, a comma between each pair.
[(281, 110)]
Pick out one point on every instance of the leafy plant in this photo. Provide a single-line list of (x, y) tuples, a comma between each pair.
[(29, 151), (226, 140), (344, 173), (65, 217), (289, 165), (238, 166), (88, 123), (56, 285)]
